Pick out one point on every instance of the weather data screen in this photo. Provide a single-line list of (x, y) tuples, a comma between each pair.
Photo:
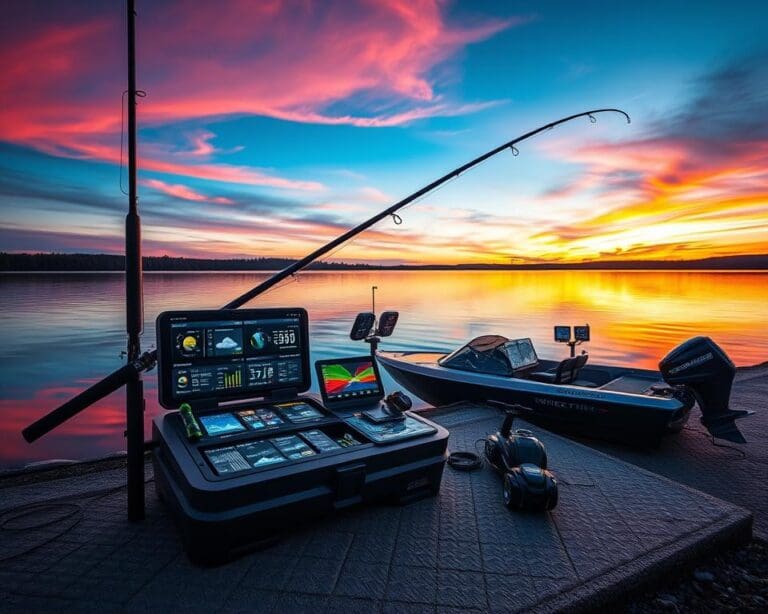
[(350, 379), (230, 357)]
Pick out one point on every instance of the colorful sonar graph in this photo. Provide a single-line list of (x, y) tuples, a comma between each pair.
[(341, 380)]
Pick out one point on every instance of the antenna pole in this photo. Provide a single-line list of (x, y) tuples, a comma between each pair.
[(373, 299), (134, 299)]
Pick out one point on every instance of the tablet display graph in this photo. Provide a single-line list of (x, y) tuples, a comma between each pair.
[(346, 379)]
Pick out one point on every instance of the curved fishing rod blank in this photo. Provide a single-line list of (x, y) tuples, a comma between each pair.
[(147, 360)]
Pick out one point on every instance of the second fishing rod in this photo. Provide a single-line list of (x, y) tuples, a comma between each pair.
[(147, 360)]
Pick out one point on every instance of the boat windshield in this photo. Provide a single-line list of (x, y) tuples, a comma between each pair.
[(521, 354), (492, 354), (482, 355)]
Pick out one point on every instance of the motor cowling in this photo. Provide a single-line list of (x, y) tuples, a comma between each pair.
[(704, 368)]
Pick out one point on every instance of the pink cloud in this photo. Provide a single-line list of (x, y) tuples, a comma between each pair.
[(61, 88), (184, 192), (202, 144)]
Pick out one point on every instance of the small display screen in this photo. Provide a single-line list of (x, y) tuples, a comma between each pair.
[(320, 441), (292, 447), (562, 334), (299, 412), (221, 424), (391, 431), (349, 379), (269, 416), (229, 354), (581, 333), (520, 353), (252, 419), (260, 453), (227, 460)]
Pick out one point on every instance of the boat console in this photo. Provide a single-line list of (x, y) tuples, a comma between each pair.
[(249, 455)]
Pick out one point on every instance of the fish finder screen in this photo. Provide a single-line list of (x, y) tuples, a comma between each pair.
[(350, 378), (231, 357)]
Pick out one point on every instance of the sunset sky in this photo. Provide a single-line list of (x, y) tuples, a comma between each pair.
[(270, 127)]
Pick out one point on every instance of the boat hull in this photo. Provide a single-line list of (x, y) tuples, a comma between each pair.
[(628, 418)]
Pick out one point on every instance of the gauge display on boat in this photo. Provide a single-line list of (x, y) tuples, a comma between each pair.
[(581, 333), (562, 334), (228, 353)]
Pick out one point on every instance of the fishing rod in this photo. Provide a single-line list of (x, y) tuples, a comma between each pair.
[(148, 359)]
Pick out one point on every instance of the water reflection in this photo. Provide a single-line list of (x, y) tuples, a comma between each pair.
[(62, 331)]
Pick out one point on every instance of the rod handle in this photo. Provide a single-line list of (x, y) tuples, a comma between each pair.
[(77, 404)]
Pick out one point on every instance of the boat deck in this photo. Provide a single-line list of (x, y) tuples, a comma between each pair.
[(615, 527), (634, 384)]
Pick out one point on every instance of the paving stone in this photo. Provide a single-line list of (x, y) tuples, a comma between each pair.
[(362, 580), (419, 551), (461, 589), (371, 548), (510, 593), (269, 572), (314, 575), (460, 555), (331, 545), (412, 584), (503, 558)]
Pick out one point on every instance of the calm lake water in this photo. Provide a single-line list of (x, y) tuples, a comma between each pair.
[(62, 332)]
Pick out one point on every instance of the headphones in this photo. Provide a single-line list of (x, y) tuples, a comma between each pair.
[(522, 459)]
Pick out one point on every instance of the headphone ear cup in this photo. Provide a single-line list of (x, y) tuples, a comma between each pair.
[(526, 449), (529, 488), (399, 401), (513, 494)]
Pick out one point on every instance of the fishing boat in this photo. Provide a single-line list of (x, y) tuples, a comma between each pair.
[(625, 404)]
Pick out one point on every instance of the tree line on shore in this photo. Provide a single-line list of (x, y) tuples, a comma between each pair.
[(115, 262)]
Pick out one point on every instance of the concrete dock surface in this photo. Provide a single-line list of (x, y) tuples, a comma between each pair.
[(731, 472), (65, 544)]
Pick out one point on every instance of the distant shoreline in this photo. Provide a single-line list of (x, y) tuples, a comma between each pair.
[(84, 263)]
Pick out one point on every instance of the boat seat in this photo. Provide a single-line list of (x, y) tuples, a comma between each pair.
[(565, 373)]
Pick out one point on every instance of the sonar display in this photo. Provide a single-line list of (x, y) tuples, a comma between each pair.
[(345, 379)]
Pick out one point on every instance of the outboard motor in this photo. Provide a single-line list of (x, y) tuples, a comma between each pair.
[(704, 368)]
